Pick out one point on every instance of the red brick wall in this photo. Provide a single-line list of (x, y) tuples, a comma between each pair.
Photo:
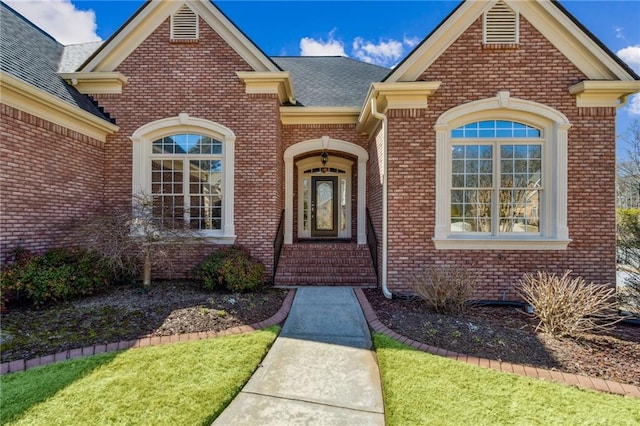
[(535, 71), (52, 177), (166, 79)]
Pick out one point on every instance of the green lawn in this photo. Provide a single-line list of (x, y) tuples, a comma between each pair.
[(179, 384), (420, 389)]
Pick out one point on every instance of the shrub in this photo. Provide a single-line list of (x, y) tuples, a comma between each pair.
[(568, 306), (56, 275), (230, 268), (445, 289), (629, 293)]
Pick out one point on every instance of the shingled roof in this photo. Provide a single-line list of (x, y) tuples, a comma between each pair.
[(33, 56), (330, 81)]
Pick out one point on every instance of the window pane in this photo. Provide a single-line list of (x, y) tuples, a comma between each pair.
[(520, 189), (205, 184), (496, 129), (519, 210)]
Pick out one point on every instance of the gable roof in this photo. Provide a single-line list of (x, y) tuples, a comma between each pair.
[(336, 81), (152, 14), (563, 30), (33, 56)]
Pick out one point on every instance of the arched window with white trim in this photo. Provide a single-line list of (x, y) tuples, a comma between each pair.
[(185, 166), (501, 176)]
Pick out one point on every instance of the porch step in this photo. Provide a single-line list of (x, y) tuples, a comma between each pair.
[(325, 264)]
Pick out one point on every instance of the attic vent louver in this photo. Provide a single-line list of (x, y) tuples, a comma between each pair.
[(500, 25), (184, 25)]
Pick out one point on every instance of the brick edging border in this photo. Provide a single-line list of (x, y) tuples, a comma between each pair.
[(507, 367), (21, 364)]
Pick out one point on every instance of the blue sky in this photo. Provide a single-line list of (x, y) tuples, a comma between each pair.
[(381, 32)]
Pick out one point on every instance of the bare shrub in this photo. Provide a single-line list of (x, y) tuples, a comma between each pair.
[(629, 292), (445, 289), (568, 306)]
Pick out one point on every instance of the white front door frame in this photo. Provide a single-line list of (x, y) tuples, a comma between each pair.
[(326, 143)]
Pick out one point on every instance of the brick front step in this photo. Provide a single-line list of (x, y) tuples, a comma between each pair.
[(344, 264)]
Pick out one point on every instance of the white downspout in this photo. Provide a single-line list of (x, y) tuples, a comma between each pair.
[(383, 278)]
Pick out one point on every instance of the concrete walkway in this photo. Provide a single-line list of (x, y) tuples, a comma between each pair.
[(320, 371)]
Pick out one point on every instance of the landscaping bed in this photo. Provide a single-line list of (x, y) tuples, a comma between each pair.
[(127, 313), (509, 334)]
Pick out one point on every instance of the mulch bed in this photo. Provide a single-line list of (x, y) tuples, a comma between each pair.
[(509, 334), (128, 313)]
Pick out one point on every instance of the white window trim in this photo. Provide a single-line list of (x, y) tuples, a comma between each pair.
[(555, 127), (334, 162), (143, 139)]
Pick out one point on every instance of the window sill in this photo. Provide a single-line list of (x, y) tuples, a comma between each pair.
[(524, 243), (193, 238)]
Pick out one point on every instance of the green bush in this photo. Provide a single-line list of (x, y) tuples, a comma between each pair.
[(56, 275), (230, 268)]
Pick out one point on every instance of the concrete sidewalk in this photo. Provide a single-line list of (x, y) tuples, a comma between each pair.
[(320, 370)]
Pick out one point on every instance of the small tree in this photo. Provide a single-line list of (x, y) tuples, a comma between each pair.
[(131, 241)]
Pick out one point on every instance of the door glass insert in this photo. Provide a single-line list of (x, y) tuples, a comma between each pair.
[(324, 205), (305, 207), (343, 204)]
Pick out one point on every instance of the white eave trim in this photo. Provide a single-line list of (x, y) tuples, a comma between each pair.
[(591, 93), (394, 95), (278, 82), (25, 97), (290, 115), (96, 82)]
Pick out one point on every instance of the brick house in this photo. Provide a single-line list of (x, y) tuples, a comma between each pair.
[(490, 146)]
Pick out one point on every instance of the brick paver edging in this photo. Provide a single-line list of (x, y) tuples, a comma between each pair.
[(21, 364), (507, 367)]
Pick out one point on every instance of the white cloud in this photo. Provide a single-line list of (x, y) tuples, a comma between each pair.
[(411, 41), (60, 19), (633, 107), (313, 47), (380, 54), (619, 32), (631, 55)]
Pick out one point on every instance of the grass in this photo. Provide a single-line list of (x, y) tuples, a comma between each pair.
[(179, 384), (420, 388)]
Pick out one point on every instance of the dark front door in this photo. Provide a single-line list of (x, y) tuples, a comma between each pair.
[(324, 206)]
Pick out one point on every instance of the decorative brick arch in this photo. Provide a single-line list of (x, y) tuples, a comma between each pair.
[(317, 145)]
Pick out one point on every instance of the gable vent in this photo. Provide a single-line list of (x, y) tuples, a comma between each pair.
[(500, 25), (184, 25)]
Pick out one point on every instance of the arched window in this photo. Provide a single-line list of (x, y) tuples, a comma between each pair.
[(501, 176), (184, 166)]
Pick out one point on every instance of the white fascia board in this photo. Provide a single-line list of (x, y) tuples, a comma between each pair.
[(158, 11), (25, 97), (570, 40), (290, 115), (438, 42)]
